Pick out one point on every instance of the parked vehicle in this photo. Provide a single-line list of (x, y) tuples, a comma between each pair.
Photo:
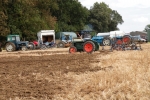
[(13, 43), (43, 37), (138, 38), (104, 39), (65, 39)]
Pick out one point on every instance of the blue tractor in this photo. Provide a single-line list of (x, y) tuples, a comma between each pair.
[(102, 41), (13, 43), (65, 39)]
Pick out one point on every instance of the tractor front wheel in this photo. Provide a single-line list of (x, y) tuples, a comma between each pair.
[(106, 42), (24, 48), (10, 47), (72, 49), (88, 46)]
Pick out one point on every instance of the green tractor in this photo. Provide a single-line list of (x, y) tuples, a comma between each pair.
[(84, 43), (13, 43)]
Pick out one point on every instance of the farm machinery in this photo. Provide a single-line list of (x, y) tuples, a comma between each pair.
[(102, 41), (13, 43), (65, 41), (127, 42), (46, 39), (84, 43)]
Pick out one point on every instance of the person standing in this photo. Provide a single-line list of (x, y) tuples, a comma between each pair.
[(0, 47)]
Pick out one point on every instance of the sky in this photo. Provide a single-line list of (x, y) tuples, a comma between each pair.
[(135, 13)]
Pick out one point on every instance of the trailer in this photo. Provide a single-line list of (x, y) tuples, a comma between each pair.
[(44, 36)]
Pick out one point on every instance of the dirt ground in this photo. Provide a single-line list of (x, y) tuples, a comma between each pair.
[(39, 74)]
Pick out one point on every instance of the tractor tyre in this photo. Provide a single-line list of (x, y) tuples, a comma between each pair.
[(10, 47), (89, 47), (61, 45), (126, 39), (106, 42), (72, 49), (24, 48), (32, 46)]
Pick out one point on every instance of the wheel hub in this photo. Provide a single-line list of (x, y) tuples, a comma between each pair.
[(9, 48), (72, 50), (61, 44), (88, 47), (24, 49), (106, 42)]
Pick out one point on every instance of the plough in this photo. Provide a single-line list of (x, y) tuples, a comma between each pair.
[(126, 42)]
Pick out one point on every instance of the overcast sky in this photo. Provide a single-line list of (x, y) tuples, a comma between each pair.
[(135, 13)]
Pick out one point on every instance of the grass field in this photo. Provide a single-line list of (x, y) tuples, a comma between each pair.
[(104, 75)]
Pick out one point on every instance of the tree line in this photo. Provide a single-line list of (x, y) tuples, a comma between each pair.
[(27, 17)]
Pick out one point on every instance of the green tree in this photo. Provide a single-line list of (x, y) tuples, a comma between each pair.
[(4, 30), (103, 18), (27, 17), (147, 27), (71, 15)]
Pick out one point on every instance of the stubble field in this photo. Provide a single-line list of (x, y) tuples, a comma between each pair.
[(57, 75)]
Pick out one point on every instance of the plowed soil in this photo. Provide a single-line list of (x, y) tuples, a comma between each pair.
[(40, 74)]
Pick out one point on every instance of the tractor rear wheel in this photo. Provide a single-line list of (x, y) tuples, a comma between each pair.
[(72, 49), (61, 45), (126, 39), (106, 42), (31, 46), (10, 47), (89, 47)]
